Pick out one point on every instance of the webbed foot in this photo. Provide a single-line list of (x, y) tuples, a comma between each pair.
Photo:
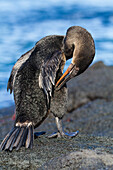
[(63, 134)]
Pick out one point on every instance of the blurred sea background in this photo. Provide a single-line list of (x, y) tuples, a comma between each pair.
[(24, 22)]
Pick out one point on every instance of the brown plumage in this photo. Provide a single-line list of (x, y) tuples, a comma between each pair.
[(33, 80)]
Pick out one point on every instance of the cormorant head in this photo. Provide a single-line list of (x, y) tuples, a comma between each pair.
[(78, 45)]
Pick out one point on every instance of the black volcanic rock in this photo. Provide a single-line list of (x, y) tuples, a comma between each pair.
[(90, 110)]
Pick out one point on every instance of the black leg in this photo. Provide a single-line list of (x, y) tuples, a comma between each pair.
[(61, 132)]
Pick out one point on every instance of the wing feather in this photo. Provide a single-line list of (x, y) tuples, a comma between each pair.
[(48, 74), (15, 68)]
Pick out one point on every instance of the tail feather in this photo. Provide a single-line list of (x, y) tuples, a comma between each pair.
[(14, 140), (10, 140), (19, 136), (30, 137), (2, 145), (4, 142), (20, 143), (25, 137)]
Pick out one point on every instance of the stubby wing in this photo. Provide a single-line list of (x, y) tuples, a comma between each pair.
[(16, 67), (48, 74)]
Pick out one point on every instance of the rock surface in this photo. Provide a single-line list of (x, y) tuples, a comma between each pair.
[(90, 110)]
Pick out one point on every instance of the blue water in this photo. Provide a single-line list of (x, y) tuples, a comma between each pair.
[(22, 23)]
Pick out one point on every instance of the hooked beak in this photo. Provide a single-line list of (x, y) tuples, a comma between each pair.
[(71, 72)]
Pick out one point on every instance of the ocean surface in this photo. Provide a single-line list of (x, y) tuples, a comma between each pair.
[(23, 23)]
